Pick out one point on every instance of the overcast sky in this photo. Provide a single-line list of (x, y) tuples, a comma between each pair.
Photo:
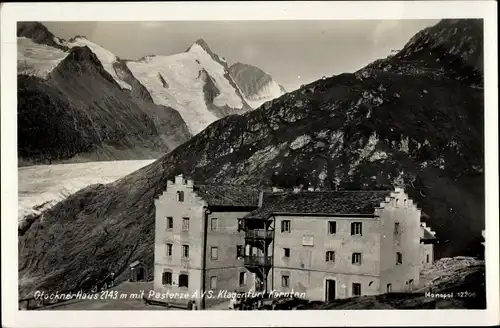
[(292, 52)]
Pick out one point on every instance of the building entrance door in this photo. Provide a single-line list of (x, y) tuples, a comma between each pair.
[(330, 290), (140, 274)]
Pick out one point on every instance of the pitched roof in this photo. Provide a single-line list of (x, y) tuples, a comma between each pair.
[(225, 195), (314, 202)]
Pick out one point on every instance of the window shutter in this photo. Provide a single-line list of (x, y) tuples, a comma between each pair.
[(352, 229), (282, 226)]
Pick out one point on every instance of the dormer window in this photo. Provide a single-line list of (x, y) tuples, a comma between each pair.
[(180, 196)]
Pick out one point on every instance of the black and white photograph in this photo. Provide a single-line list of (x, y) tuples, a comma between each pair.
[(250, 164)]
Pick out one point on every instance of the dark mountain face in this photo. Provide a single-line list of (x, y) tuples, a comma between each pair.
[(365, 130), (249, 78), (38, 33), (254, 83), (80, 110)]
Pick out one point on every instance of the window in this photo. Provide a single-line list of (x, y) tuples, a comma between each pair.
[(356, 228), (183, 280), (356, 258), (285, 226), (427, 258), (404, 203), (389, 288), (356, 289), (285, 281), (213, 224), (399, 258), (396, 228), (239, 251), (213, 282), (397, 202), (169, 249), (286, 252), (330, 256), (214, 253), (185, 224), (243, 278), (185, 251), (170, 222), (411, 284), (180, 196), (241, 225), (166, 278), (332, 227)]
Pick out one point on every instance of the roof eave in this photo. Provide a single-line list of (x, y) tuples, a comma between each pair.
[(231, 208), (354, 215)]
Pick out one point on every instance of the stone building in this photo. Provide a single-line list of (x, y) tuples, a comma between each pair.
[(325, 244)]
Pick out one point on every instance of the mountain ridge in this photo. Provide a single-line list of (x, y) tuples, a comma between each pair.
[(37, 32), (45, 54), (90, 116)]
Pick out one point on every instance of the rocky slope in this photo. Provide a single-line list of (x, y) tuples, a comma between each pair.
[(40, 34), (362, 130), (256, 85), (196, 83)]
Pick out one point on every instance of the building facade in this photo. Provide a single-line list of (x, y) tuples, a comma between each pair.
[(198, 243), (325, 245)]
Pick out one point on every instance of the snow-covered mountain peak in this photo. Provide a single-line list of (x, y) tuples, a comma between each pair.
[(193, 83), (200, 47), (202, 43)]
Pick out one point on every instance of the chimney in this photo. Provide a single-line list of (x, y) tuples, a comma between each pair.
[(261, 198)]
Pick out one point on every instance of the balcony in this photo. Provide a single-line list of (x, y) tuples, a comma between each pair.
[(258, 260), (259, 234)]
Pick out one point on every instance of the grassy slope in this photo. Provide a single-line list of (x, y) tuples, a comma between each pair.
[(419, 120)]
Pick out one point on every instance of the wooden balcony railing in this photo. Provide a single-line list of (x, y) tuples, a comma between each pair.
[(259, 234), (258, 260)]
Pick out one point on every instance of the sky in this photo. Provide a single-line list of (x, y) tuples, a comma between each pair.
[(292, 52)]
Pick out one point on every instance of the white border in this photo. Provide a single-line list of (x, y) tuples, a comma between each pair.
[(13, 12)]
